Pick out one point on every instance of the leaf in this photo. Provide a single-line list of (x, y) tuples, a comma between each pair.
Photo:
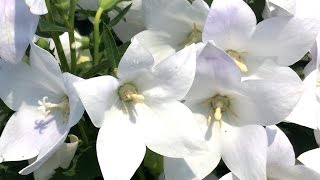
[(45, 26), (110, 46), (120, 16), (153, 162)]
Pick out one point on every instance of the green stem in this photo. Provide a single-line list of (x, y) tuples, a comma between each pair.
[(140, 173), (96, 36), (57, 42), (84, 136), (71, 36)]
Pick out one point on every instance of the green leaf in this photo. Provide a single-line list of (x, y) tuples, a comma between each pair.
[(110, 46), (102, 66), (120, 16), (45, 26), (153, 162)]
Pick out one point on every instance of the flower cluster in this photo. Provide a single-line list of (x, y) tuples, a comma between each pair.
[(201, 86)]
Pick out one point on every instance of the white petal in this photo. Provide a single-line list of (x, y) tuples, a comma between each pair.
[(178, 16), (135, 61), (275, 92), (18, 26), (274, 8), (280, 150), (120, 148), (293, 173), (229, 176), (311, 159), (28, 133), (229, 24), (133, 23), (244, 150), (98, 95), (62, 158), (215, 71), (287, 39), (305, 112), (37, 7), (317, 136), (75, 105), (169, 129), (195, 167), (172, 78), (160, 44)]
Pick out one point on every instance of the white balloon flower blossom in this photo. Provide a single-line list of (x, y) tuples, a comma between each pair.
[(171, 25), (231, 114), (232, 25), (281, 160), (37, 7), (306, 113), (141, 109), (46, 106), (17, 28)]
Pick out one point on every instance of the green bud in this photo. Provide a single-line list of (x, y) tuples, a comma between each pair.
[(61, 6), (43, 43)]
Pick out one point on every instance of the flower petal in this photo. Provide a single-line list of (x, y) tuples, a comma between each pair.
[(287, 39), (166, 133), (305, 112), (18, 26), (120, 148), (195, 167), (274, 8), (229, 176), (215, 71), (62, 158), (244, 150), (280, 150), (75, 105), (311, 159), (171, 78), (136, 60), (37, 7), (98, 95), (133, 23), (293, 173), (229, 24), (276, 92)]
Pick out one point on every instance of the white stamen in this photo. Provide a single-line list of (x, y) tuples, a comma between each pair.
[(238, 59), (47, 107)]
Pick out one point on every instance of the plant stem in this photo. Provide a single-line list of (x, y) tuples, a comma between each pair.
[(96, 36), (71, 36), (57, 42), (84, 136)]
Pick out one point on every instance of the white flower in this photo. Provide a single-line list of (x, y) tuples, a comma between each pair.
[(46, 106), (231, 114), (171, 25), (312, 158), (141, 109), (281, 160), (232, 25), (61, 158), (306, 112), (17, 28)]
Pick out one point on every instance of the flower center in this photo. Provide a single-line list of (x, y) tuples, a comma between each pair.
[(219, 104), (193, 37), (47, 107), (128, 92), (238, 59)]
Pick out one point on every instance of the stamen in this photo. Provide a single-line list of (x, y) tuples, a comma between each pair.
[(193, 37), (47, 107), (128, 92), (219, 104), (238, 59), (318, 83)]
